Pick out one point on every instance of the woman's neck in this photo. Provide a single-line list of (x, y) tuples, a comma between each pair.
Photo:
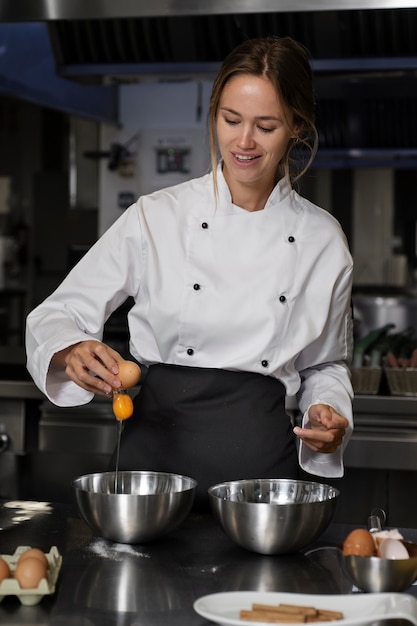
[(251, 196)]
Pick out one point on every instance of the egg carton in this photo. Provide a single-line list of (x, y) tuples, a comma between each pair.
[(30, 597)]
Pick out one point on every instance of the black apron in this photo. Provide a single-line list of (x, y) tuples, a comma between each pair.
[(211, 424)]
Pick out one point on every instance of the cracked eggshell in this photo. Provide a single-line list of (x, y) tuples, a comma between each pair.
[(392, 549)]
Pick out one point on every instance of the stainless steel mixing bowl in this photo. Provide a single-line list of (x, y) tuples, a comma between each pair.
[(373, 574), (273, 516), (145, 505)]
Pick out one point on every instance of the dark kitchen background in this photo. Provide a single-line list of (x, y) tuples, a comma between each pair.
[(100, 103)]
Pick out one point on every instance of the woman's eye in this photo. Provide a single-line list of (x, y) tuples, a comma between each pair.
[(231, 122), (266, 130)]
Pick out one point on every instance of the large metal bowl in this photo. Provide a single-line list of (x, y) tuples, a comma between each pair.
[(273, 516), (144, 506), (374, 574)]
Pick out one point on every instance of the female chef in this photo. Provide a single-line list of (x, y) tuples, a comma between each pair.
[(241, 292)]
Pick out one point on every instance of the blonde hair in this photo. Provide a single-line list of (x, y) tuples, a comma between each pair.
[(286, 64)]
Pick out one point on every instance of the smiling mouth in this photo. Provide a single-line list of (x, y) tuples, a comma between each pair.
[(245, 157)]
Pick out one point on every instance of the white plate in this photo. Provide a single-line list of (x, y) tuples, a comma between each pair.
[(360, 608)]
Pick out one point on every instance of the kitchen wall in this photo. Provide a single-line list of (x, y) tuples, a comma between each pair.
[(156, 115), (373, 241)]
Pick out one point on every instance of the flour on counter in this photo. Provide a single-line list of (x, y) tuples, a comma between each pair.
[(114, 551)]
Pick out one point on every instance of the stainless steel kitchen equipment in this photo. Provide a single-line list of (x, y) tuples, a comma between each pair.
[(272, 516), (66, 9), (374, 310), (374, 574), (19, 419), (134, 507), (385, 435)]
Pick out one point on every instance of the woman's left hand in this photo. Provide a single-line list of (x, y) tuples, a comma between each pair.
[(325, 431)]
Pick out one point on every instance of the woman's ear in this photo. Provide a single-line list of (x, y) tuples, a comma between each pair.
[(295, 134)]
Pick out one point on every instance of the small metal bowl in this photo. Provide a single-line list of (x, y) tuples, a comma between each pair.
[(374, 574), (273, 516), (144, 506)]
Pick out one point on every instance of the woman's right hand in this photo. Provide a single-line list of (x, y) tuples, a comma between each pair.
[(90, 364)]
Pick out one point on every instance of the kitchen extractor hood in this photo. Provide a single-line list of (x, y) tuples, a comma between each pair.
[(365, 65), (40, 10), (92, 39), (339, 41), (364, 53)]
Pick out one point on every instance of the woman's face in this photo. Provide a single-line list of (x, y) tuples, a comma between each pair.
[(252, 132)]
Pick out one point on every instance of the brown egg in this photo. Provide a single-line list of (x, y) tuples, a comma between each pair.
[(29, 572), (36, 554), (360, 542), (129, 373), (4, 570)]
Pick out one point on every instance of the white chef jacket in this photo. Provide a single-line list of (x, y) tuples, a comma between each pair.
[(214, 286)]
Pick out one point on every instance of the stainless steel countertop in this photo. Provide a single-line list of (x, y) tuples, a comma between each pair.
[(107, 584), (15, 381), (19, 389), (362, 404)]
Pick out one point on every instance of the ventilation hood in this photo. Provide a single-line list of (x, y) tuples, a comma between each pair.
[(92, 39), (36, 10), (95, 40), (364, 52), (339, 41)]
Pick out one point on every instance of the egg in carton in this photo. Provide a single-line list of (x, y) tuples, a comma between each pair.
[(46, 586)]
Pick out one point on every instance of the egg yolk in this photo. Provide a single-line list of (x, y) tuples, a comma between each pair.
[(122, 406)]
